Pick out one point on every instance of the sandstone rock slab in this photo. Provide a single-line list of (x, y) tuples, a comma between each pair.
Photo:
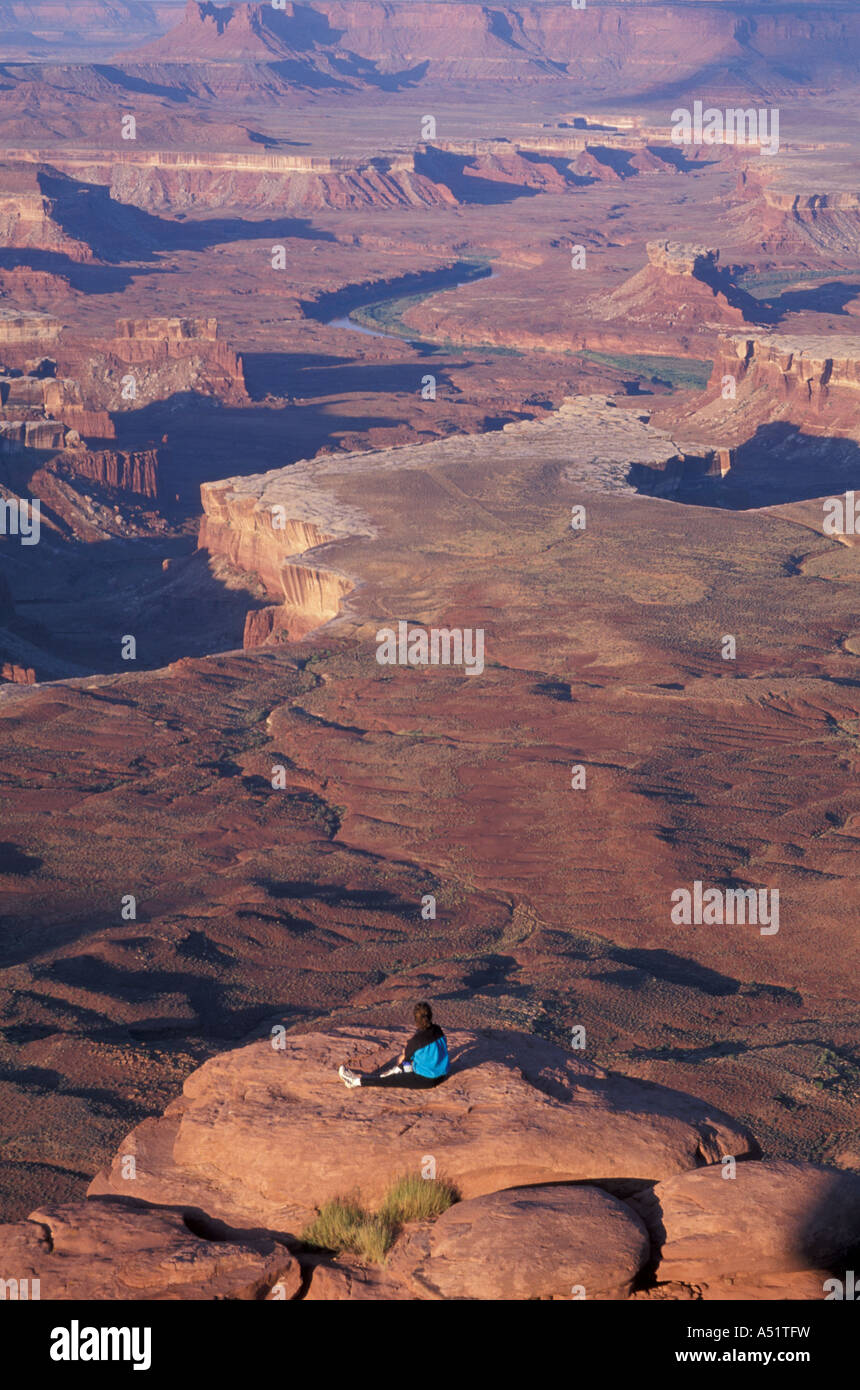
[(109, 1250), (262, 1136), (553, 1242), (773, 1217)]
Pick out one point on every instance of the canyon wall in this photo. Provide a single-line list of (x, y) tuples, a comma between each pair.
[(26, 326), (120, 470), (819, 375), (264, 542), (165, 356), (796, 211), (603, 45), (30, 216)]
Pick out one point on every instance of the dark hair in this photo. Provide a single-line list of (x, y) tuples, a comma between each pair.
[(423, 1015)]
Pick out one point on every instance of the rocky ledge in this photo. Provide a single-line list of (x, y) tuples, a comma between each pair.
[(572, 1182)]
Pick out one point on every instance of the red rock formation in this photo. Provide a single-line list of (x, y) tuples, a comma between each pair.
[(518, 1111), (178, 354), (18, 675), (30, 215), (264, 542), (771, 1218), (619, 47), (26, 326), (682, 286), (257, 180), (795, 210), (109, 1251), (812, 382), (525, 1243), (119, 469)]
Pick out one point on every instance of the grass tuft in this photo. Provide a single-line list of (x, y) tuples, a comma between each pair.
[(343, 1224), (413, 1198)]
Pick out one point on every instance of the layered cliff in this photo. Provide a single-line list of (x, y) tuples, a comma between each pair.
[(265, 538), (26, 326), (293, 184), (797, 211), (165, 356), (812, 372), (606, 47), (682, 286), (118, 469), (765, 379), (782, 415), (31, 213), (44, 208)]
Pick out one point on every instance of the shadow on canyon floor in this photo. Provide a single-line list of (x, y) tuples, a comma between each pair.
[(75, 603), (829, 298), (284, 374)]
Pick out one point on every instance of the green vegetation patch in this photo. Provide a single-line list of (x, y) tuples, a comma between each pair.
[(343, 1224), (678, 372)]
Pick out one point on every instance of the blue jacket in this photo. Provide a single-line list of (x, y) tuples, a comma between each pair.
[(427, 1051)]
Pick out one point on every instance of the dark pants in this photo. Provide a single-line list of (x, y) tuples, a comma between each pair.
[(409, 1079)]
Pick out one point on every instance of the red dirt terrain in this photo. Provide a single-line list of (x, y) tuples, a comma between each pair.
[(348, 318)]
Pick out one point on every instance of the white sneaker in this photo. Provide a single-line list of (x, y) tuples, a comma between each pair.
[(348, 1077)]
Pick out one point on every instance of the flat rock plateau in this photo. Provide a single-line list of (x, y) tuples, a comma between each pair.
[(349, 319)]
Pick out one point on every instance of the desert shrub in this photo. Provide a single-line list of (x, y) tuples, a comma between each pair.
[(342, 1224), (413, 1198), (337, 1225)]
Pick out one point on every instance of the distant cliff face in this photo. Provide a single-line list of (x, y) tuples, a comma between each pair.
[(787, 210), (605, 46), (818, 375)]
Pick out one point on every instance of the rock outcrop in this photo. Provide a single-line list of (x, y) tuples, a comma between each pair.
[(682, 286), (262, 1136), (810, 373), (553, 1159), (17, 675), (770, 1218), (762, 380), (527, 1242), (110, 1251), (793, 210)]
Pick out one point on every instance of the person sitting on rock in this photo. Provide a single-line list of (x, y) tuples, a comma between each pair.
[(422, 1063)]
